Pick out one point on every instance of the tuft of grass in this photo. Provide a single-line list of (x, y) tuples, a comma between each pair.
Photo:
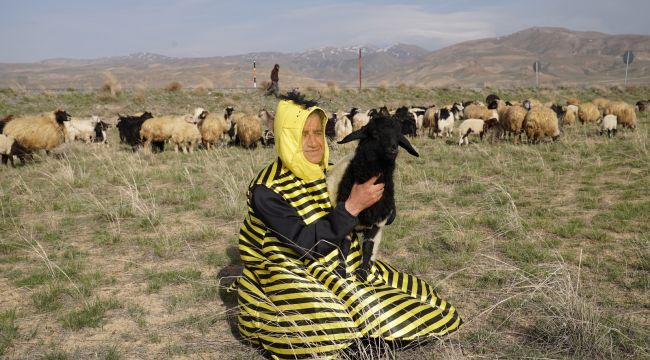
[(156, 280), (8, 329), (90, 315)]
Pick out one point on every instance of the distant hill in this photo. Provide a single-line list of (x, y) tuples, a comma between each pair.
[(567, 57)]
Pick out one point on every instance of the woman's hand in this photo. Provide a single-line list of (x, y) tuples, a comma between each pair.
[(364, 196)]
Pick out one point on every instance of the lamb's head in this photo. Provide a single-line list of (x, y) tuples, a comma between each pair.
[(61, 116), (381, 137)]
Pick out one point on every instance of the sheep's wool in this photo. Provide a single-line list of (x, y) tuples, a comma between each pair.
[(299, 307), (290, 119)]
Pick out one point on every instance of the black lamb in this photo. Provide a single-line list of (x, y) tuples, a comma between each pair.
[(375, 155)]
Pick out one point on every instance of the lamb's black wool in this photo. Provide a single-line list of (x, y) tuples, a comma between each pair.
[(374, 156)]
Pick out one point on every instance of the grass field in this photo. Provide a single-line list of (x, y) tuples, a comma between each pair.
[(543, 249)]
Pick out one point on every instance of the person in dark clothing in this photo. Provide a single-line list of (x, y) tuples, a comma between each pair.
[(274, 88)]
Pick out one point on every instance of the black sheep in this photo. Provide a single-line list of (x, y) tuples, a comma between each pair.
[(406, 120), (129, 128), (375, 155)]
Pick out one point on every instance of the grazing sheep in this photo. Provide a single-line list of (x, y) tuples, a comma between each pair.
[(642, 105), (429, 119), (358, 119), (213, 129), (330, 127), (490, 98), (608, 123), (540, 122), (342, 127), (10, 148), (572, 101), (444, 122), (129, 128), (565, 114), (588, 113), (375, 155), (5, 120), (267, 120), (406, 120), (81, 129), (100, 132), (247, 129), (601, 104), (162, 128), (418, 114), (624, 112), (41, 132), (512, 121), (186, 136), (475, 126), (479, 112)]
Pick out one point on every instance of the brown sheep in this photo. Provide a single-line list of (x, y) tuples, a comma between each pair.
[(248, 129), (213, 129), (474, 111), (588, 113), (40, 132), (625, 114), (540, 122), (512, 120)]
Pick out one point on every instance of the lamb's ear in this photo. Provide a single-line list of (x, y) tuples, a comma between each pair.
[(357, 135), (403, 142)]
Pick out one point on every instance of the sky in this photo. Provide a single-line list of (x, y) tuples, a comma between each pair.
[(34, 30)]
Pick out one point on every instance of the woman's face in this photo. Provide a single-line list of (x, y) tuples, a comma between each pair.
[(313, 143)]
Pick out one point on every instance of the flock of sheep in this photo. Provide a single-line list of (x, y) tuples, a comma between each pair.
[(21, 136)]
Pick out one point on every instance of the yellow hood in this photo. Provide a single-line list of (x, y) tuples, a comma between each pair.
[(290, 119)]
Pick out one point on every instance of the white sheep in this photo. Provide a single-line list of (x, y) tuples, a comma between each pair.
[(445, 122), (343, 126), (40, 132), (475, 126), (608, 123), (81, 129)]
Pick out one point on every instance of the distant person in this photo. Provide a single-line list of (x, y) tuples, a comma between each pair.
[(274, 88)]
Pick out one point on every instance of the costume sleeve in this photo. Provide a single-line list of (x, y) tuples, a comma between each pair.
[(315, 239)]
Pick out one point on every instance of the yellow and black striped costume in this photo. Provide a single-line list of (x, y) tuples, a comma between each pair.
[(297, 306)]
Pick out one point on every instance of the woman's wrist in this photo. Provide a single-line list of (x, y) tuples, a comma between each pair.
[(350, 208)]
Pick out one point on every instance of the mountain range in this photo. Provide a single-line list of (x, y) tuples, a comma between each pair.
[(567, 58)]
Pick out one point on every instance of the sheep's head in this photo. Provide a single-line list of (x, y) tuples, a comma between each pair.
[(200, 114), (228, 112), (381, 136), (61, 116)]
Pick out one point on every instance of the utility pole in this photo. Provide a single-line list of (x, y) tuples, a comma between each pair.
[(254, 75), (360, 63)]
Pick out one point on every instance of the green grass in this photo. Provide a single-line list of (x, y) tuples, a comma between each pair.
[(8, 329), (90, 315), (518, 237)]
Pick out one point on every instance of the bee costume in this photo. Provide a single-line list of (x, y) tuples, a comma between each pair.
[(298, 295)]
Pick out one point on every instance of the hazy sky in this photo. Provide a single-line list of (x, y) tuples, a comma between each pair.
[(33, 30)]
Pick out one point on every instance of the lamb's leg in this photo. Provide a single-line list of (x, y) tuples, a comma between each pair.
[(371, 240)]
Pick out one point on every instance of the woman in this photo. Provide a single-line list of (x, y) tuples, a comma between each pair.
[(298, 296)]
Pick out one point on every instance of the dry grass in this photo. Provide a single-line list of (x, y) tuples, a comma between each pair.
[(543, 249)]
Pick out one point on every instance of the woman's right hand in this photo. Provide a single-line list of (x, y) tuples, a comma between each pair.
[(363, 196)]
